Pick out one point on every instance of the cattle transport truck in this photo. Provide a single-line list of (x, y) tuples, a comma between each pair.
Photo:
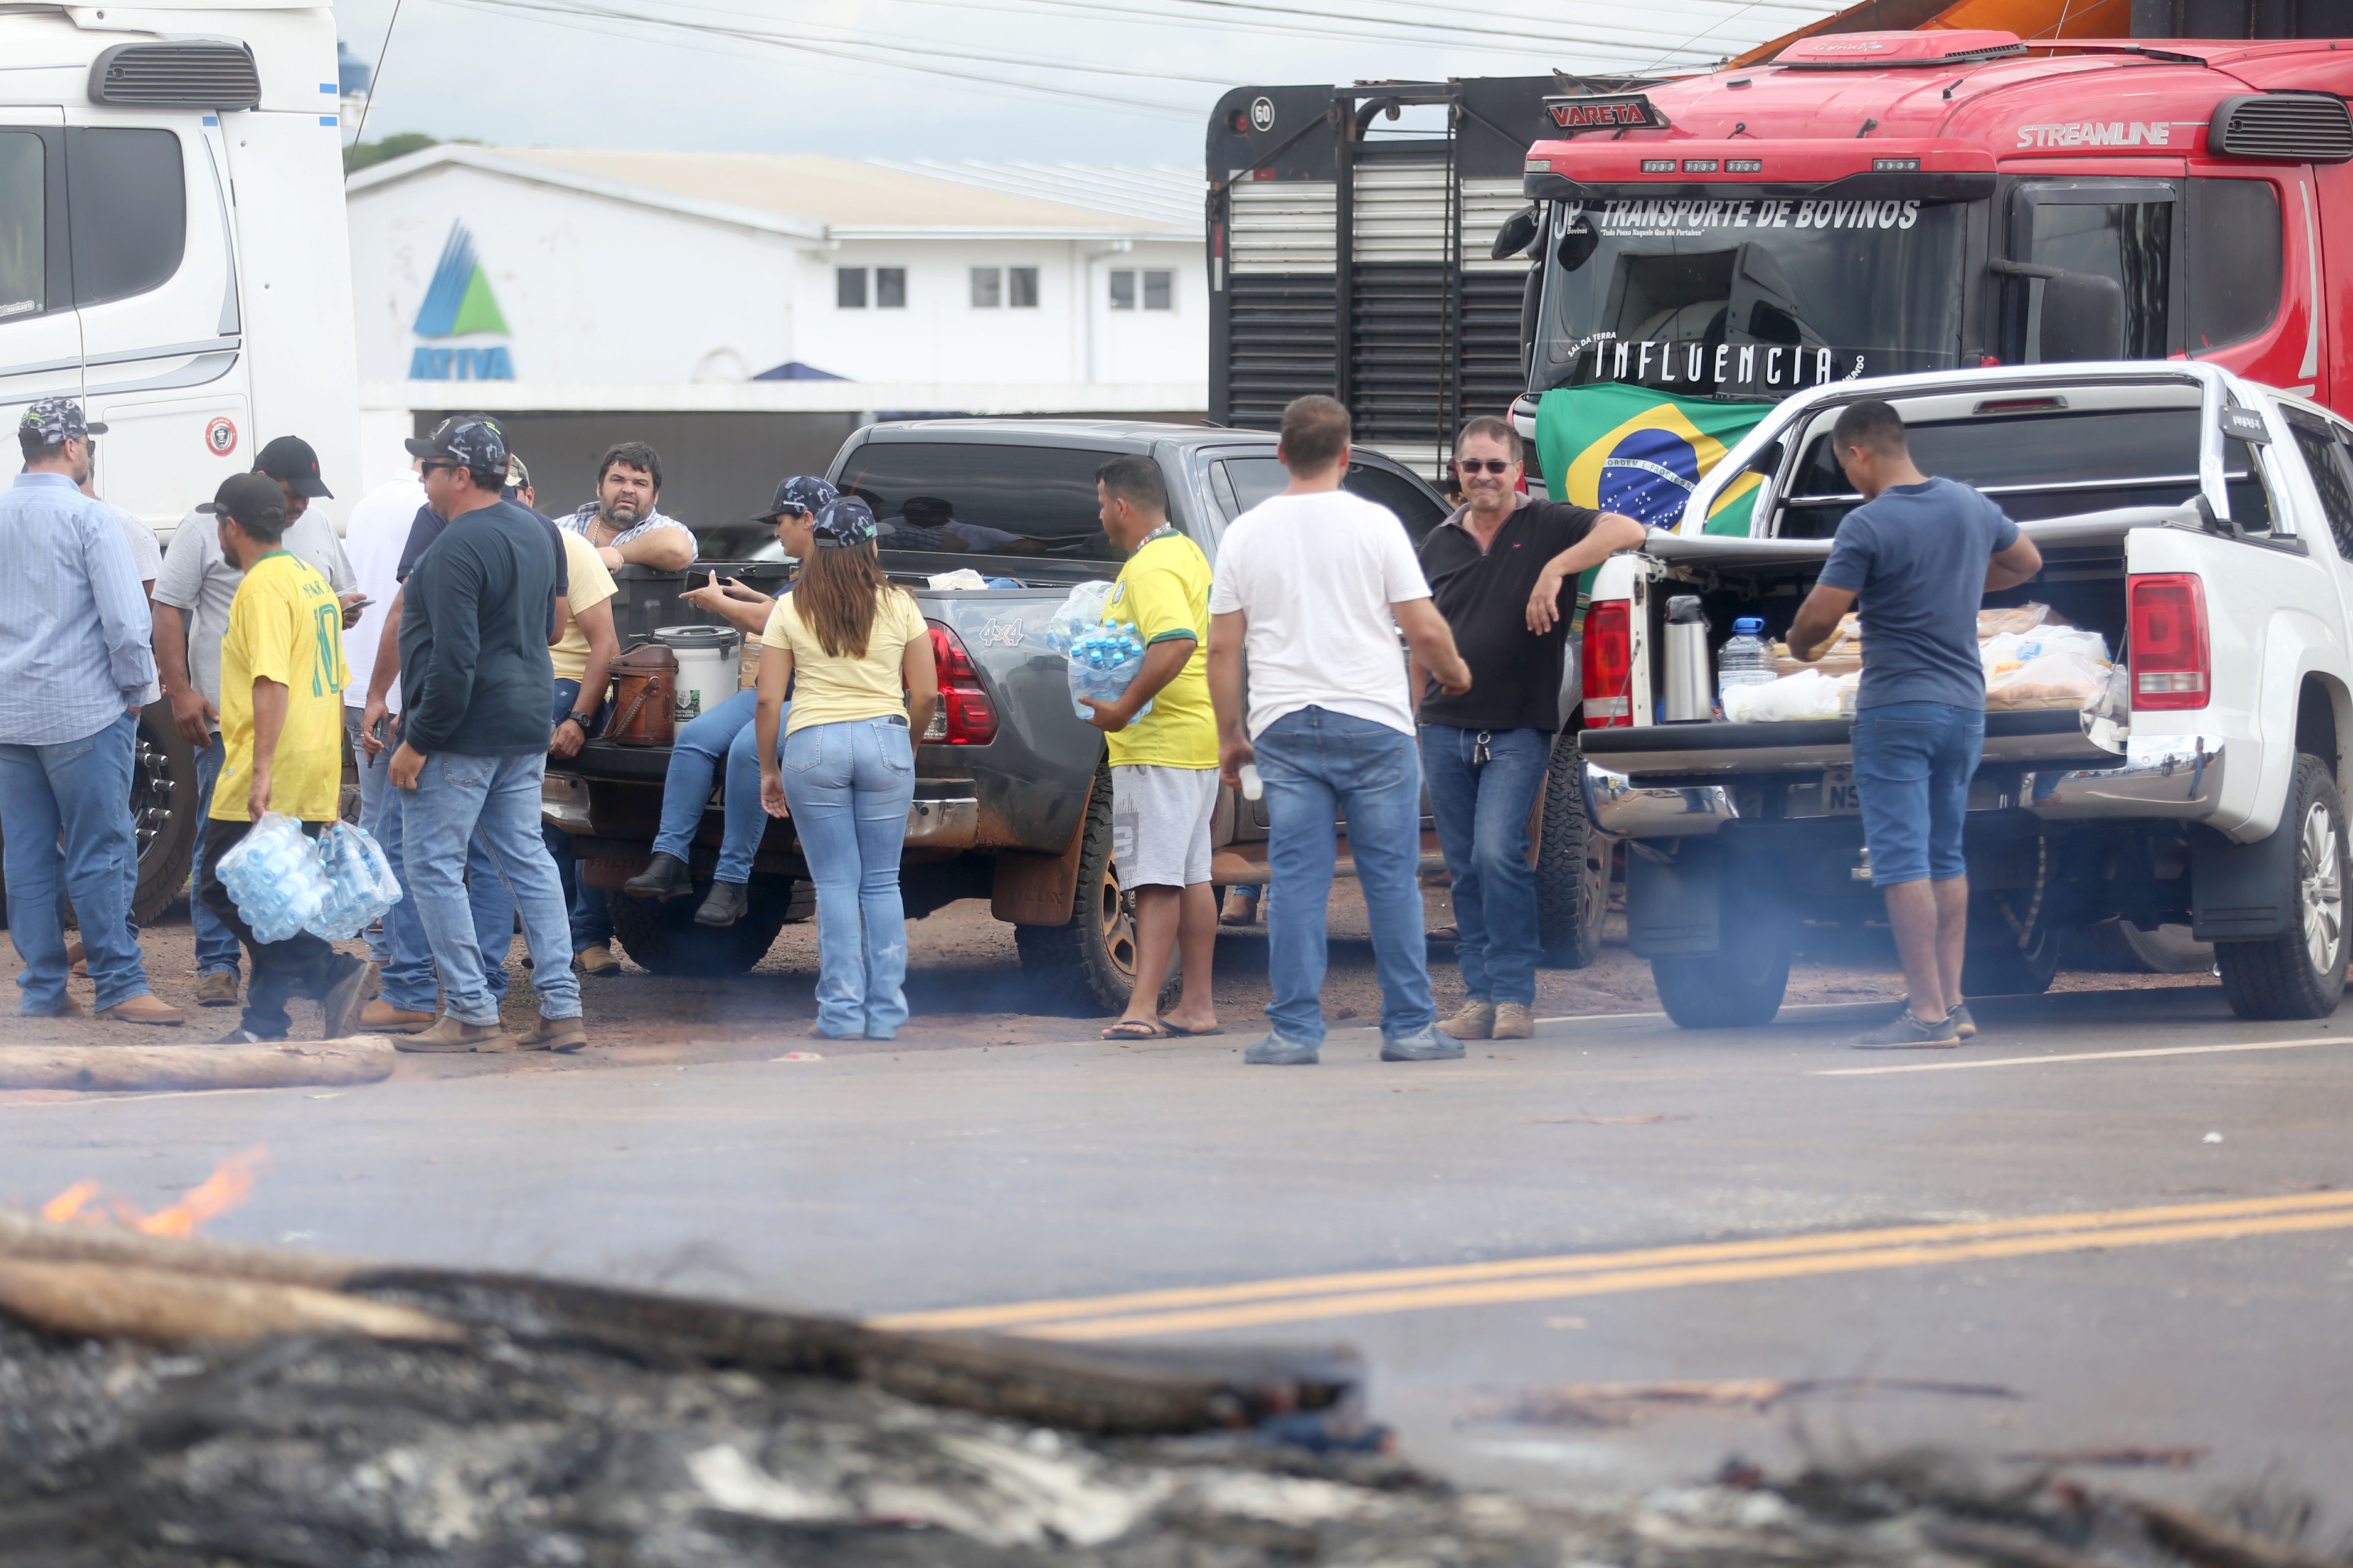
[(173, 251)]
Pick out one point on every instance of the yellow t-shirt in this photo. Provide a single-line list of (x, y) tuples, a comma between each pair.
[(828, 690), (1164, 593), (591, 585), (284, 626)]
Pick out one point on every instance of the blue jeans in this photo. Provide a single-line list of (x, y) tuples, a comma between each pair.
[(848, 785), (493, 802), (1482, 807), (1316, 763), (1913, 762), (591, 913), (726, 731), (65, 811), (216, 948), (371, 771), (409, 978)]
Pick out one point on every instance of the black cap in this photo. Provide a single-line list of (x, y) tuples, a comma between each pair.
[(800, 493), (251, 499), (289, 458), (473, 439)]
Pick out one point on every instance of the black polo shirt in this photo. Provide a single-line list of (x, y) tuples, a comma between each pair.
[(1514, 673)]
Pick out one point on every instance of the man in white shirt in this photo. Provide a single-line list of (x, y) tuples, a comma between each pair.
[(1313, 585)]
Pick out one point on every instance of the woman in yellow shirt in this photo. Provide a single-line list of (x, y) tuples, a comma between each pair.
[(846, 772)]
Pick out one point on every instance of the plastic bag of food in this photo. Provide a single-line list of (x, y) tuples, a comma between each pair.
[(2052, 680), (2018, 619), (1809, 694), (2049, 639), (962, 577)]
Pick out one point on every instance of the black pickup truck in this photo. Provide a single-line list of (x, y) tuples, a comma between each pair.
[(1013, 793)]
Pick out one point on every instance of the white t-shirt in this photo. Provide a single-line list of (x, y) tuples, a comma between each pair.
[(1316, 575), (373, 536), (147, 560)]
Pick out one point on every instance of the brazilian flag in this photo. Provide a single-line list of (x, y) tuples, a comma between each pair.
[(1641, 453)]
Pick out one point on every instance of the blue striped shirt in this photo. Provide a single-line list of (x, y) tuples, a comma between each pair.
[(75, 633)]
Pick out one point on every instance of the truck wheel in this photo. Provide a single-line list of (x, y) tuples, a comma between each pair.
[(162, 811), (2003, 968), (1741, 986), (661, 935), (1086, 967), (1572, 865), (2299, 974)]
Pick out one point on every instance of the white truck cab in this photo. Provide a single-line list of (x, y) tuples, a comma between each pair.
[(173, 248)]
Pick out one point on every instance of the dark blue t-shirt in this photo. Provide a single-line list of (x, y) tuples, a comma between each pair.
[(1917, 559)]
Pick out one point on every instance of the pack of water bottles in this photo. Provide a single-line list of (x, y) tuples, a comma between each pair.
[(360, 883), (282, 881), (1104, 659)]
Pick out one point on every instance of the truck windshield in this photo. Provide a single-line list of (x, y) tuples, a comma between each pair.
[(1750, 299)]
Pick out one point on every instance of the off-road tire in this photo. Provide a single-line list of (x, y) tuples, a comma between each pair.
[(1572, 865), (1741, 987), (2278, 977), (661, 936), (1085, 967), (162, 811)]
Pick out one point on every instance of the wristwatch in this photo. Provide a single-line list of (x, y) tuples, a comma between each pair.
[(583, 719)]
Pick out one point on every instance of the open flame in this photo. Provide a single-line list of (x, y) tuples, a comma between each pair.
[(231, 1184)]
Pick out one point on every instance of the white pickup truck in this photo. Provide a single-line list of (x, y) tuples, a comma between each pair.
[(2202, 523)]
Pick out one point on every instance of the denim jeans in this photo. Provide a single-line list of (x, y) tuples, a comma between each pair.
[(65, 811), (726, 731), (591, 913), (848, 785), (216, 948), (493, 802), (371, 771), (1481, 794), (409, 981), (1316, 763)]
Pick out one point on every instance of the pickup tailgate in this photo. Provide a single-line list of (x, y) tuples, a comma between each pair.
[(1657, 753)]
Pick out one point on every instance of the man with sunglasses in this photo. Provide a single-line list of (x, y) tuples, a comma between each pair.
[(726, 733), (1497, 569)]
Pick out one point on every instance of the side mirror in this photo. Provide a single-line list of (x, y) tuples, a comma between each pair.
[(2083, 318), (1519, 232), (1578, 246)]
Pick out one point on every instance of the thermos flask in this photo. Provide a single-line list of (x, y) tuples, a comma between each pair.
[(1689, 694)]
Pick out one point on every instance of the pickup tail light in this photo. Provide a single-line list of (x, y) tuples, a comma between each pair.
[(1609, 665), (966, 716), (2171, 663)]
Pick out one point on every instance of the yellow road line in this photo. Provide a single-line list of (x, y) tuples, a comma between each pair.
[(1391, 1280), (1505, 1291), (2087, 1056)]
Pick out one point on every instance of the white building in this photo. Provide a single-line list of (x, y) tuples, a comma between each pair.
[(577, 284)]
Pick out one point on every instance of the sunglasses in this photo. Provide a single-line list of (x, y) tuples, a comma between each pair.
[(431, 468), (1483, 466)]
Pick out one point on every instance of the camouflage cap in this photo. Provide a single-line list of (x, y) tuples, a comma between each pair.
[(845, 521), (801, 493), (58, 420), (473, 439)]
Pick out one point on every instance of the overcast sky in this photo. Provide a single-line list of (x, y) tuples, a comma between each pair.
[(575, 73)]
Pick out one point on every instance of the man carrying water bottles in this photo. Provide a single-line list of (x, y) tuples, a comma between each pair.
[(282, 677)]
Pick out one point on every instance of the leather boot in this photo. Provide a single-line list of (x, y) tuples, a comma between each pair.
[(1514, 1022), (725, 905), (665, 876), (1475, 1022)]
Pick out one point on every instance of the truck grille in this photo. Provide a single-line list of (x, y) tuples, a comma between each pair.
[(212, 75), (2290, 127)]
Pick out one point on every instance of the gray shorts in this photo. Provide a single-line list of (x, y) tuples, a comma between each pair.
[(1160, 824)]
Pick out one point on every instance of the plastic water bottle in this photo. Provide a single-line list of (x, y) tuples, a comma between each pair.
[(1745, 659)]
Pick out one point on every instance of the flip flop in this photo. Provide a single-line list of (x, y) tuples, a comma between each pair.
[(1132, 1030), (1192, 1034)]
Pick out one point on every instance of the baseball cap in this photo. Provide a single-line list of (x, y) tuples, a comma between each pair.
[(848, 521), (289, 458), (59, 420), (518, 477), (250, 498), (802, 493), (473, 439)]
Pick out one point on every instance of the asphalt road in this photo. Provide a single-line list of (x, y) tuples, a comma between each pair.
[(2114, 1221)]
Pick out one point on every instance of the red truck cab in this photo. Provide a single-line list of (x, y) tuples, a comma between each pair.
[(1873, 204)]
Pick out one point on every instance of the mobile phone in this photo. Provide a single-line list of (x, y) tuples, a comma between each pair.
[(358, 603)]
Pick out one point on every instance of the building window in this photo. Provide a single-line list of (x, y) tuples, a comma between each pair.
[(850, 288), (987, 287), (890, 287), (1159, 291), (1021, 287)]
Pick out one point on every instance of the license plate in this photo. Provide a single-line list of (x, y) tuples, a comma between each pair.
[(1839, 795)]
